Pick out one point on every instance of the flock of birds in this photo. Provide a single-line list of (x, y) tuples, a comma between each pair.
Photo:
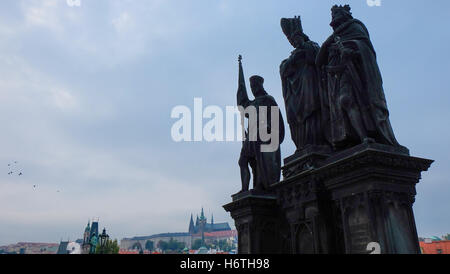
[(12, 172)]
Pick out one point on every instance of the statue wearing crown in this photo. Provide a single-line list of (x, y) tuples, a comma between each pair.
[(301, 88), (358, 109), (350, 187)]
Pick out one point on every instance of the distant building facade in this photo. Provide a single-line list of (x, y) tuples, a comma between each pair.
[(30, 248), (69, 248), (200, 229), (435, 245), (201, 225), (139, 243)]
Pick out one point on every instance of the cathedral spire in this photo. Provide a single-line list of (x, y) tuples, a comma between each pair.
[(202, 216), (88, 227), (191, 225)]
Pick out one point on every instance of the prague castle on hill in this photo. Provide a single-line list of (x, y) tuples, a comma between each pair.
[(201, 225), (198, 230)]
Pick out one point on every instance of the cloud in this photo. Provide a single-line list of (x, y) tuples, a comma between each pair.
[(86, 95), (42, 13), (123, 23), (121, 33), (25, 86)]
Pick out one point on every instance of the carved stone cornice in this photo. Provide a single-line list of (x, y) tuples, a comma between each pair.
[(294, 194), (308, 159), (377, 166)]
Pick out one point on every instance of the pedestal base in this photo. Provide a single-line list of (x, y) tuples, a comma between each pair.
[(344, 203), (260, 226)]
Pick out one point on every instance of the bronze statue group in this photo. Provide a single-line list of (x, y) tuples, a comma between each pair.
[(333, 96)]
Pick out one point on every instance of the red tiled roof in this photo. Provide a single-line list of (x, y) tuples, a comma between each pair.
[(434, 247), (128, 252), (37, 244), (134, 252), (225, 233)]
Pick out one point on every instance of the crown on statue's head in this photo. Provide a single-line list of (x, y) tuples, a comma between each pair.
[(345, 8)]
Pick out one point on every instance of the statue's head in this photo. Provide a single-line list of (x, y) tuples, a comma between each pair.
[(339, 15), (257, 85), (292, 28)]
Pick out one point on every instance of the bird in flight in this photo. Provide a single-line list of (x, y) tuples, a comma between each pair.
[(20, 174)]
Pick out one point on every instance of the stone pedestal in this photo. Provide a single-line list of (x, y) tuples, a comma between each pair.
[(260, 228), (335, 203), (305, 203), (372, 190), (307, 159)]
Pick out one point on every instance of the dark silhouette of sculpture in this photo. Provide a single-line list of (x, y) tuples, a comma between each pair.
[(301, 87), (358, 108), (266, 166), (341, 201)]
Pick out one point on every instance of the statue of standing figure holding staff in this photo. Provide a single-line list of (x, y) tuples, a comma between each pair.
[(265, 133)]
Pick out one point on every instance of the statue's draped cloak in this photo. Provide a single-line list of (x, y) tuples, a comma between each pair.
[(300, 83), (362, 75)]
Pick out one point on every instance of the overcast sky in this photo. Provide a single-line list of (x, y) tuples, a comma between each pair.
[(86, 95)]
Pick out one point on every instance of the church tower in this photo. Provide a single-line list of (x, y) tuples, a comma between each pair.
[(202, 224), (93, 236), (86, 239), (191, 226)]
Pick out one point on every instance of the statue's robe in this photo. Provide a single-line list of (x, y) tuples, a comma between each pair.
[(302, 97), (267, 164), (355, 87)]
